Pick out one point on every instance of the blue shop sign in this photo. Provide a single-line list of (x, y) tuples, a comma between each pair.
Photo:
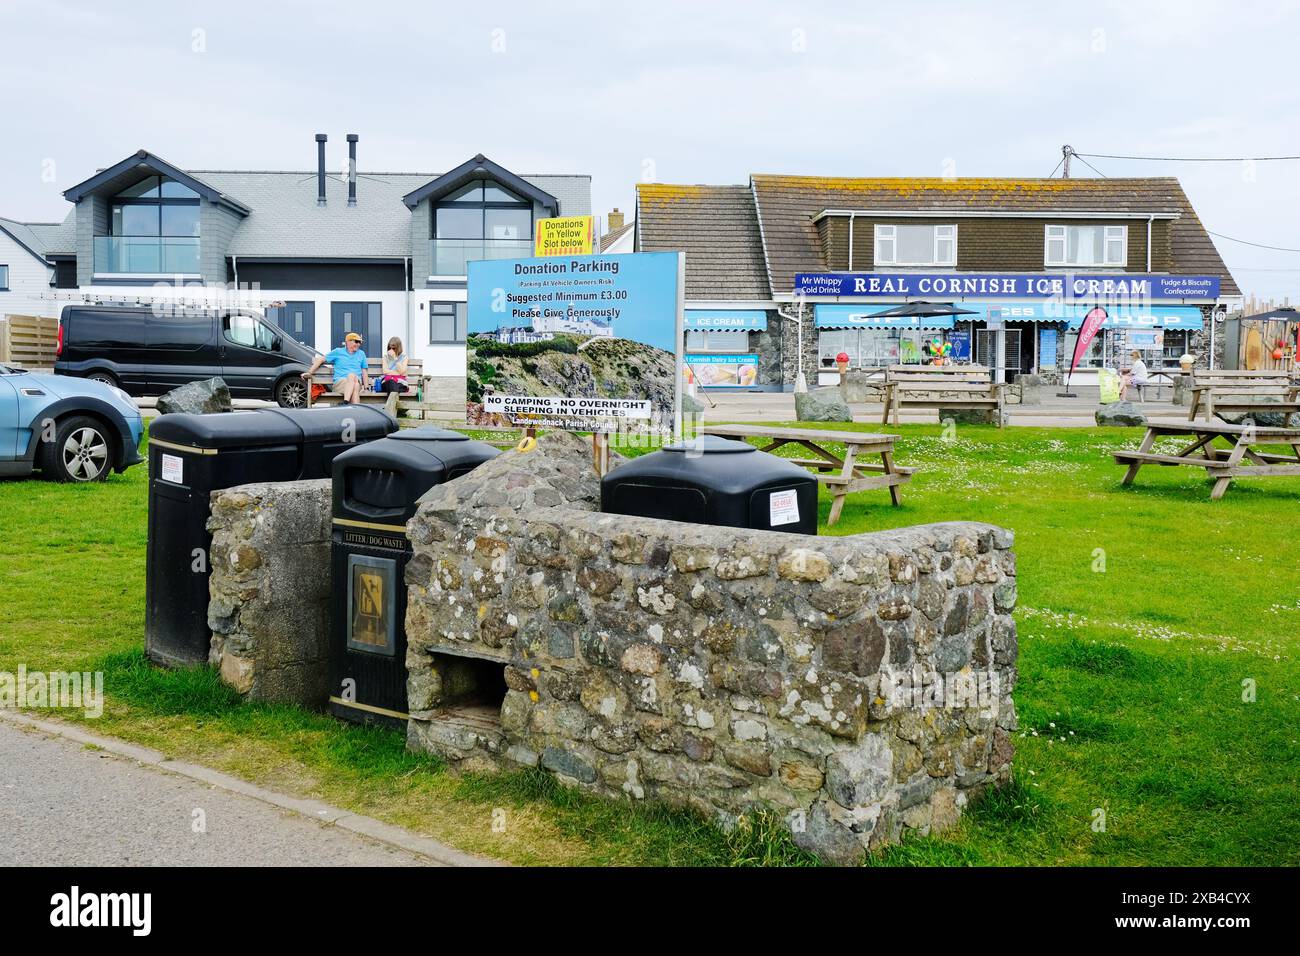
[(955, 285), (726, 320)]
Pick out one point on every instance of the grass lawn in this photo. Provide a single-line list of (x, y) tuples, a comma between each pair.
[(1142, 612)]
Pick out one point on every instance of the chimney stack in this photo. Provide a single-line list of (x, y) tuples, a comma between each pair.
[(320, 168), (614, 221), (352, 169)]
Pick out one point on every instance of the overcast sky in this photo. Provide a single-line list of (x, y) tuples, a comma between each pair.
[(673, 92)]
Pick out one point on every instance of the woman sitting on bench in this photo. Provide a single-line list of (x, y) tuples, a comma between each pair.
[(394, 376), (1136, 377)]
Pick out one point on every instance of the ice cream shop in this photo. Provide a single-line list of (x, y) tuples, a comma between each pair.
[(787, 275), (718, 347), (1013, 337)]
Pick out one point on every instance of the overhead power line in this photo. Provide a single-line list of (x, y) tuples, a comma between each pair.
[(1247, 242), (1194, 159)]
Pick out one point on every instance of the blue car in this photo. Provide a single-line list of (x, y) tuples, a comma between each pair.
[(71, 429)]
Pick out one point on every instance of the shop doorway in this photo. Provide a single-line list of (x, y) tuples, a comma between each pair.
[(1000, 350)]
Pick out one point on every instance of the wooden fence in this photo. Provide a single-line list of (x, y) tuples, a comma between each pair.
[(28, 340)]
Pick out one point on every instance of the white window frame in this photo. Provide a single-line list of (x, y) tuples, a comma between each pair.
[(4, 277), (1059, 233), (887, 232)]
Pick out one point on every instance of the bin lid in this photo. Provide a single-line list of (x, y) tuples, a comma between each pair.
[(224, 429), (711, 445), (428, 433), (325, 424)]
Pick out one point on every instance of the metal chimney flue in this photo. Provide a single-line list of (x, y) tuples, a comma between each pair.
[(352, 169), (320, 168)]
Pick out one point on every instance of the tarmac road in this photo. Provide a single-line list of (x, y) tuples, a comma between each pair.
[(63, 804)]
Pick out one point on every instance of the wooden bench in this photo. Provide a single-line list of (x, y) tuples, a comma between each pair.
[(1241, 460), (1242, 391), (841, 475), (939, 387), (392, 401)]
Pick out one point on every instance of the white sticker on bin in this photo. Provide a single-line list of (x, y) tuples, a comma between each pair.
[(173, 469), (784, 507)]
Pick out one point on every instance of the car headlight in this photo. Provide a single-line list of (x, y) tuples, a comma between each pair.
[(121, 395)]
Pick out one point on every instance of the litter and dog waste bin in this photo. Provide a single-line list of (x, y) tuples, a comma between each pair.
[(190, 456), (376, 488), (711, 480)]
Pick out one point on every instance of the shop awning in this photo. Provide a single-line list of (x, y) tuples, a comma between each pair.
[(1156, 317), (860, 317), (726, 320)]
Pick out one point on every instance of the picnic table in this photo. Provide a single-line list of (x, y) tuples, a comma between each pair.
[(1240, 460), (841, 475)]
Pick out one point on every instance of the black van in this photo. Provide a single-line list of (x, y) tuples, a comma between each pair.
[(148, 351)]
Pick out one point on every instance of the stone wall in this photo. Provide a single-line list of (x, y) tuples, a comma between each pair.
[(860, 684), (269, 610)]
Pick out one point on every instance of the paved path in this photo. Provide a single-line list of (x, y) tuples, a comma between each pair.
[(62, 803)]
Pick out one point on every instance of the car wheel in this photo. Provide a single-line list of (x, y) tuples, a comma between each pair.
[(291, 393), (108, 378), (80, 452)]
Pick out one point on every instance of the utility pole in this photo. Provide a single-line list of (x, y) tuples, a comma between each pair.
[(1066, 153)]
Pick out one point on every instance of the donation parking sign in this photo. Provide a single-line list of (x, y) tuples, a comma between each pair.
[(582, 343)]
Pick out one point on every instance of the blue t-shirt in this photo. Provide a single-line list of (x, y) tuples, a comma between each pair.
[(347, 363)]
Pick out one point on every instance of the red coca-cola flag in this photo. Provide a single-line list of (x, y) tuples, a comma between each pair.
[(1092, 323)]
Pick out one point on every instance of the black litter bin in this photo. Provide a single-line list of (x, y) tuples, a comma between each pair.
[(191, 456), (711, 480), (375, 492)]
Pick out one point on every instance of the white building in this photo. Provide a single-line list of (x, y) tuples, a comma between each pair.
[(383, 254)]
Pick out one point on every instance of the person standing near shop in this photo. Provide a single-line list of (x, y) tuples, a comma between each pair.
[(349, 365)]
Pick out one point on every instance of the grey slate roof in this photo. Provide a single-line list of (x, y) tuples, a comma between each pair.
[(27, 234), (717, 228), (284, 220)]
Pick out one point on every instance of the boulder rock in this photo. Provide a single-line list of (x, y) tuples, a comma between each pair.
[(1263, 419), (196, 398), (821, 405), (1121, 413)]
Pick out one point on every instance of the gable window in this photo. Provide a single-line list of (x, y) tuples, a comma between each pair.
[(1086, 246), (4, 278), (447, 323), (480, 220), (916, 245), (155, 206)]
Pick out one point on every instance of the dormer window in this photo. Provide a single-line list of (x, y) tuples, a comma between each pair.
[(480, 220), (483, 210), (916, 245), (155, 206), (1086, 246)]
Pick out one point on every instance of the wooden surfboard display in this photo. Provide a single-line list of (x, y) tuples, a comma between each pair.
[(1254, 350)]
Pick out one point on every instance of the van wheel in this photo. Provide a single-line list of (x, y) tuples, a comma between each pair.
[(108, 378), (80, 451), (291, 393)]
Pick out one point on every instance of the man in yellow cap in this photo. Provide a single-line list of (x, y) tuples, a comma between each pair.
[(349, 364)]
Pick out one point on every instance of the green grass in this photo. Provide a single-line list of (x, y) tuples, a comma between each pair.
[(1142, 611)]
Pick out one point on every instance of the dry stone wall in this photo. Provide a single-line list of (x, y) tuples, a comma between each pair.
[(859, 684)]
